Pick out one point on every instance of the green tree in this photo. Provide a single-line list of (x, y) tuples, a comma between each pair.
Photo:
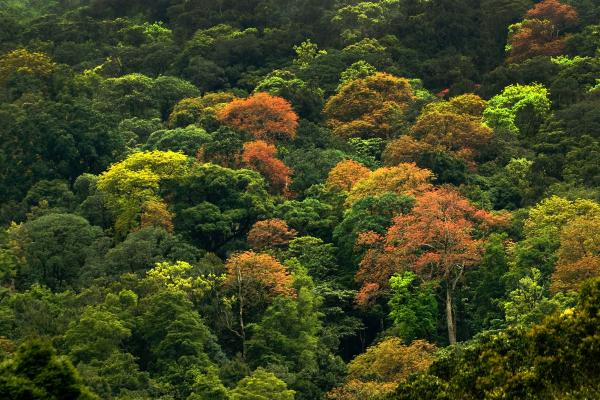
[(413, 307), (261, 385), (36, 372)]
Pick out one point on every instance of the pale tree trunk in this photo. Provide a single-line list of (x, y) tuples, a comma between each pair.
[(450, 316)]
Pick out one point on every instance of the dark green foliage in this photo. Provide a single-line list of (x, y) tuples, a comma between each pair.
[(521, 364), (36, 372), (131, 283)]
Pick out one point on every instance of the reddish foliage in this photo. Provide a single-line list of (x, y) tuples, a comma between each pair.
[(261, 156), (436, 240), (560, 15), (270, 233), (257, 275), (534, 38), (262, 115)]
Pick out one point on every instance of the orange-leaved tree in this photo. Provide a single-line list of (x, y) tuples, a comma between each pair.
[(405, 178), (270, 233), (264, 116), (438, 240), (453, 127), (374, 106), (261, 157), (379, 370), (578, 255), (345, 174), (540, 33), (254, 279)]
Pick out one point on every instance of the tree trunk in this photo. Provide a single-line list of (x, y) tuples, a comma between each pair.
[(450, 316)]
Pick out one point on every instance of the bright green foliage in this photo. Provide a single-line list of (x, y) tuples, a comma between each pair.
[(413, 307), (359, 70), (519, 109), (306, 53), (529, 304), (261, 385), (36, 372), (179, 277), (136, 180)]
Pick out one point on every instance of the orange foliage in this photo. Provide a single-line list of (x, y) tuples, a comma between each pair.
[(378, 371), (402, 179), (257, 275), (370, 107), (262, 115), (155, 213), (561, 15), (534, 37), (578, 255), (459, 135), (260, 156), (345, 174), (436, 241), (540, 33), (270, 233), (403, 150)]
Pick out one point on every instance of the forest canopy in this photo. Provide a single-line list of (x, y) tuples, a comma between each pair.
[(299, 199)]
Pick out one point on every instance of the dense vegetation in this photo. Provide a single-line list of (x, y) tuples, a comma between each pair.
[(299, 199)]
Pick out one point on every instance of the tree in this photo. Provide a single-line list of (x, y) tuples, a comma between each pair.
[(528, 303), (261, 385), (55, 249), (578, 257), (345, 174), (436, 241), (36, 372), (562, 16), (24, 63), (96, 335), (214, 205), (306, 99), (199, 110), (413, 307), (264, 116), (261, 156), (187, 140), (374, 106), (378, 371), (540, 32), (155, 213), (270, 233), (402, 179), (519, 109), (254, 278), (136, 180)]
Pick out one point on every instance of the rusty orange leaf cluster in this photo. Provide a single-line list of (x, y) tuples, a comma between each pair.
[(405, 178), (541, 33), (345, 174), (374, 106), (270, 233), (258, 274), (261, 157), (578, 255), (264, 116)]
